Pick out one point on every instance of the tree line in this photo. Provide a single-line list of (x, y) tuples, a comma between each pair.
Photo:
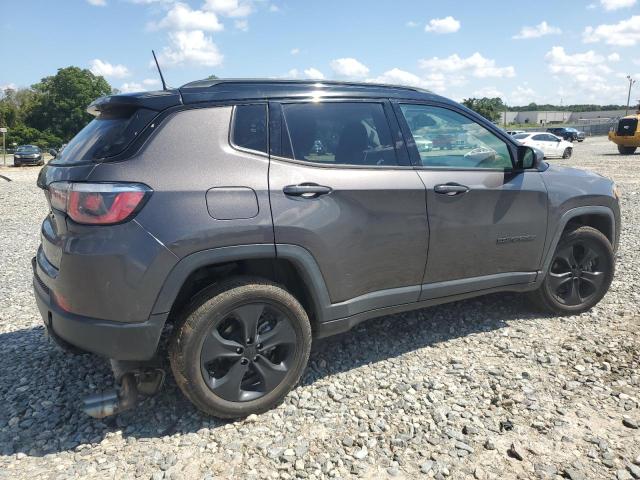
[(52, 111), (491, 108)]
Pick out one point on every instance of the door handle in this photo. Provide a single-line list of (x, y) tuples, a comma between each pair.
[(306, 190), (451, 189)]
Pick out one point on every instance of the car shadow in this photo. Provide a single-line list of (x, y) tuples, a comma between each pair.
[(42, 386)]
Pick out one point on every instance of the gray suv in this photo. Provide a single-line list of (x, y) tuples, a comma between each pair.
[(207, 215)]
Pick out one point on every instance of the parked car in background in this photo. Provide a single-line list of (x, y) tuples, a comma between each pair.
[(514, 132), (551, 145), (567, 133), (28, 155), (250, 251), (423, 144)]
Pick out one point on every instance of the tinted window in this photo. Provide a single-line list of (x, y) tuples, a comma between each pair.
[(540, 138), (28, 149), (447, 139), (250, 127), (520, 136), (338, 133), (105, 136)]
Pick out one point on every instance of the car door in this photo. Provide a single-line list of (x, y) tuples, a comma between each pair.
[(342, 191), (487, 221), (541, 141), (555, 145)]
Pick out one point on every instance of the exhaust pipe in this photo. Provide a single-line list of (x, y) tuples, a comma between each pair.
[(104, 404)]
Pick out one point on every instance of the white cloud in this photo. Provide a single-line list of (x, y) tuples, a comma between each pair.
[(614, 57), (585, 76), (146, 84), (97, 3), (349, 67), (443, 25), (578, 64), (543, 28), (131, 87), (293, 73), (489, 92), (182, 17), (242, 25), (274, 8), (412, 24), (616, 4), (106, 69), (522, 95), (229, 8), (191, 47), (7, 86), (295, 51), (625, 33), (396, 76), (476, 65), (314, 73)]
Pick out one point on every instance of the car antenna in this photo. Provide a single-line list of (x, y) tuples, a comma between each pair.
[(164, 85)]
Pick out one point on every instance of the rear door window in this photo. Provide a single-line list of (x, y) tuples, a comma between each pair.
[(338, 133), (250, 127)]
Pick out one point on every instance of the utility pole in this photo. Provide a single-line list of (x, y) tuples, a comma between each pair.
[(631, 82), (4, 146)]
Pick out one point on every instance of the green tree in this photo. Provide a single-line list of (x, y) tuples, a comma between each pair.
[(61, 100), (489, 108), (23, 135)]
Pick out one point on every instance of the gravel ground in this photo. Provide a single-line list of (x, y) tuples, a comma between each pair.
[(485, 388)]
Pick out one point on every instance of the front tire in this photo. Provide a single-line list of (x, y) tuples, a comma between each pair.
[(579, 275), (626, 150), (240, 348), (567, 152)]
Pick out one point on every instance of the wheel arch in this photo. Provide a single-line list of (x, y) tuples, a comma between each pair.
[(599, 217), (289, 265)]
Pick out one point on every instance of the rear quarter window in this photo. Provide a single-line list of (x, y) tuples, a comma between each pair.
[(105, 136)]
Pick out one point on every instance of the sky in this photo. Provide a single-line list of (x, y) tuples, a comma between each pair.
[(568, 51)]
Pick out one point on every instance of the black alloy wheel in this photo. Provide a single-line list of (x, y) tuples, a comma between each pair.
[(248, 352), (576, 274), (240, 347), (579, 275)]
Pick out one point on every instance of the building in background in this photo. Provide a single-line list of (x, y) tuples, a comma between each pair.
[(544, 117)]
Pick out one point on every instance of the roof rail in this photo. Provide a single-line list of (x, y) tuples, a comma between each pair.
[(210, 83)]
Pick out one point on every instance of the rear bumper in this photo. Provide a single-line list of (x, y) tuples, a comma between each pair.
[(117, 340)]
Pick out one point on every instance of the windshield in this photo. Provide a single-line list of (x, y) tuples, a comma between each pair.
[(104, 137), (520, 136), (28, 149)]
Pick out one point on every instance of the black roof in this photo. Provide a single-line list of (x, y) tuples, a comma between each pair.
[(255, 89), (234, 89)]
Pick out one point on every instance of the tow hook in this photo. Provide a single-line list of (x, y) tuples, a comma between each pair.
[(133, 384)]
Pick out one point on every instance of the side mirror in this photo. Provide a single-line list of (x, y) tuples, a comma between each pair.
[(528, 157), (53, 152)]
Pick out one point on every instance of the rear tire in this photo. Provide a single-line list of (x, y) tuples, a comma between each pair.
[(626, 150), (579, 275), (567, 152), (241, 346)]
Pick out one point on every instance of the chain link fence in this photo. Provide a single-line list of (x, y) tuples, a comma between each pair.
[(589, 128)]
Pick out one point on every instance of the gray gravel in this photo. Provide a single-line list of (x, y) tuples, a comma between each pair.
[(485, 388)]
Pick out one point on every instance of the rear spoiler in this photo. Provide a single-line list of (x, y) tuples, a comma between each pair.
[(158, 101)]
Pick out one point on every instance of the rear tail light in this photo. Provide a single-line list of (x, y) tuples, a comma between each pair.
[(98, 203)]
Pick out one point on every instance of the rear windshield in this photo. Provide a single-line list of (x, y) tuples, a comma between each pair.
[(521, 135), (104, 137)]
